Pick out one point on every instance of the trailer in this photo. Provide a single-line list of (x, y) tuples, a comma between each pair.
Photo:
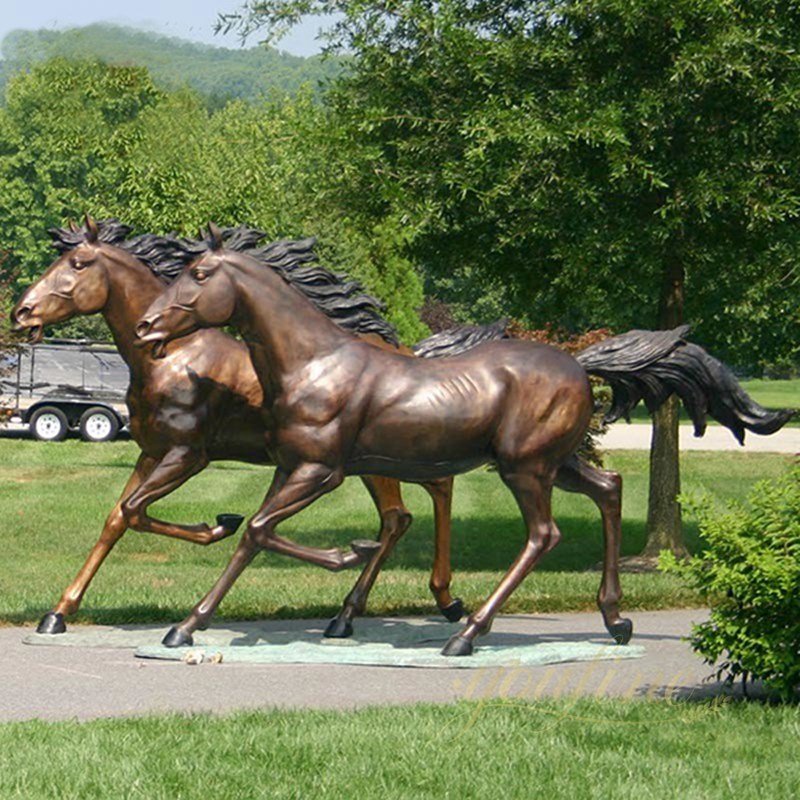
[(63, 385)]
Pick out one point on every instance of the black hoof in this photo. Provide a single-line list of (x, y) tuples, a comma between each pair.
[(339, 628), (457, 646), (621, 631), (52, 623), (366, 548), (454, 611), (176, 637), (230, 522)]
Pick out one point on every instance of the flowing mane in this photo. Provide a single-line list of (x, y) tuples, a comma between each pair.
[(344, 301), (111, 231)]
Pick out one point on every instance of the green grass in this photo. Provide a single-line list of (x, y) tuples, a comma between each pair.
[(770, 394), (54, 498), (775, 394), (553, 749)]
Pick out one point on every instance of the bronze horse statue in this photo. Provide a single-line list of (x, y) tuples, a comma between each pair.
[(335, 406), (203, 402)]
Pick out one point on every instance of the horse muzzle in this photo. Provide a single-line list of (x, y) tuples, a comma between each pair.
[(24, 319)]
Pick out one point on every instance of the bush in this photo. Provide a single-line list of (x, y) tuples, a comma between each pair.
[(749, 574)]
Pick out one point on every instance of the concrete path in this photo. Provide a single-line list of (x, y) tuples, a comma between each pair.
[(70, 682), (636, 436), (620, 436)]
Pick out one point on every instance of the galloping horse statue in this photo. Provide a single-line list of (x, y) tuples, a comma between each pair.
[(337, 406), (203, 402)]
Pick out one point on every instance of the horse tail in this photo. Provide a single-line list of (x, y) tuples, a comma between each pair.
[(458, 340), (653, 365)]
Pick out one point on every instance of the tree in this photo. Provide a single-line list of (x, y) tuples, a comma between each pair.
[(632, 163)]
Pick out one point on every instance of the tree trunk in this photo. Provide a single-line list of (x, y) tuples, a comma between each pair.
[(664, 529)]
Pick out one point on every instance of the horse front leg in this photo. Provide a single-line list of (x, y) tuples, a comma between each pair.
[(173, 470), (288, 494), (115, 526), (395, 521)]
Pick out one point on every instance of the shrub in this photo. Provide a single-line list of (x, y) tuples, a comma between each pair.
[(749, 574)]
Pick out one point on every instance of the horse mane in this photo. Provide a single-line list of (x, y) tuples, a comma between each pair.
[(344, 301), (110, 231)]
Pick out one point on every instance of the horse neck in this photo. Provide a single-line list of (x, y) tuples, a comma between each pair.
[(132, 287), (282, 328)]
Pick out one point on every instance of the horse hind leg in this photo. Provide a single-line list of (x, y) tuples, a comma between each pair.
[(533, 496), (441, 492), (395, 521), (604, 488), (115, 526)]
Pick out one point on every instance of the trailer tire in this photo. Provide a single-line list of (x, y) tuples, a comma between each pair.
[(49, 424), (98, 424)]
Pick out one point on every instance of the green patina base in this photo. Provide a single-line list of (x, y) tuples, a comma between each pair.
[(386, 642)]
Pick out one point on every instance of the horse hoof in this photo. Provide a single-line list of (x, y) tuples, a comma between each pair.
[(339, 628), (454, 611), (621, 631), (365, 548), (230, 522), (52, 623), (177, 637), (457, 646)]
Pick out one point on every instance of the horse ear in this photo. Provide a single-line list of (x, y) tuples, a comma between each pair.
[(216, 236), (73, 226), (92, 231)]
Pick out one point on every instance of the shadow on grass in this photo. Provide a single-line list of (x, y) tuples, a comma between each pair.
[(491, 543)]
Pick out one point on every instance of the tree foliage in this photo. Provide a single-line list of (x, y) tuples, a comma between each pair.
[(83, 136), (593, 162)]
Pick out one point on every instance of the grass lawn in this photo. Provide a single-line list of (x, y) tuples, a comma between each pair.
[(770, 394), (553, 748), (54, 498)]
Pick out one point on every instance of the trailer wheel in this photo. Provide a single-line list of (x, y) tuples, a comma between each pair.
[(49, 424), (98, 425)]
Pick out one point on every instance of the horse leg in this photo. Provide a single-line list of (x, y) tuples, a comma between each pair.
[(173, 470), (288, 494), (533, 495), (441, 492), (605, 490), (395, 521), (115, 526)]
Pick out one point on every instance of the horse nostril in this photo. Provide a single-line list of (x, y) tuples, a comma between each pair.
[(143, 328), (22, 313)]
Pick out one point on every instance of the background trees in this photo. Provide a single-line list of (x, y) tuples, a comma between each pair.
[(592, 162), (576, 163), (79, 136), (219, 74)]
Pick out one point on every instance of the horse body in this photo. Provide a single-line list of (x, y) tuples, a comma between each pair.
[(186, 399), (450, 416), (433, 418)]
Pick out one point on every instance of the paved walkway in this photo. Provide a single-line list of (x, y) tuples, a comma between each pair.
[(621, 436), (70, 682), (636, 436)]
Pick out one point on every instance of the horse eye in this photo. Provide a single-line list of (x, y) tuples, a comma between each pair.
[(76, 264), (200, 276)]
